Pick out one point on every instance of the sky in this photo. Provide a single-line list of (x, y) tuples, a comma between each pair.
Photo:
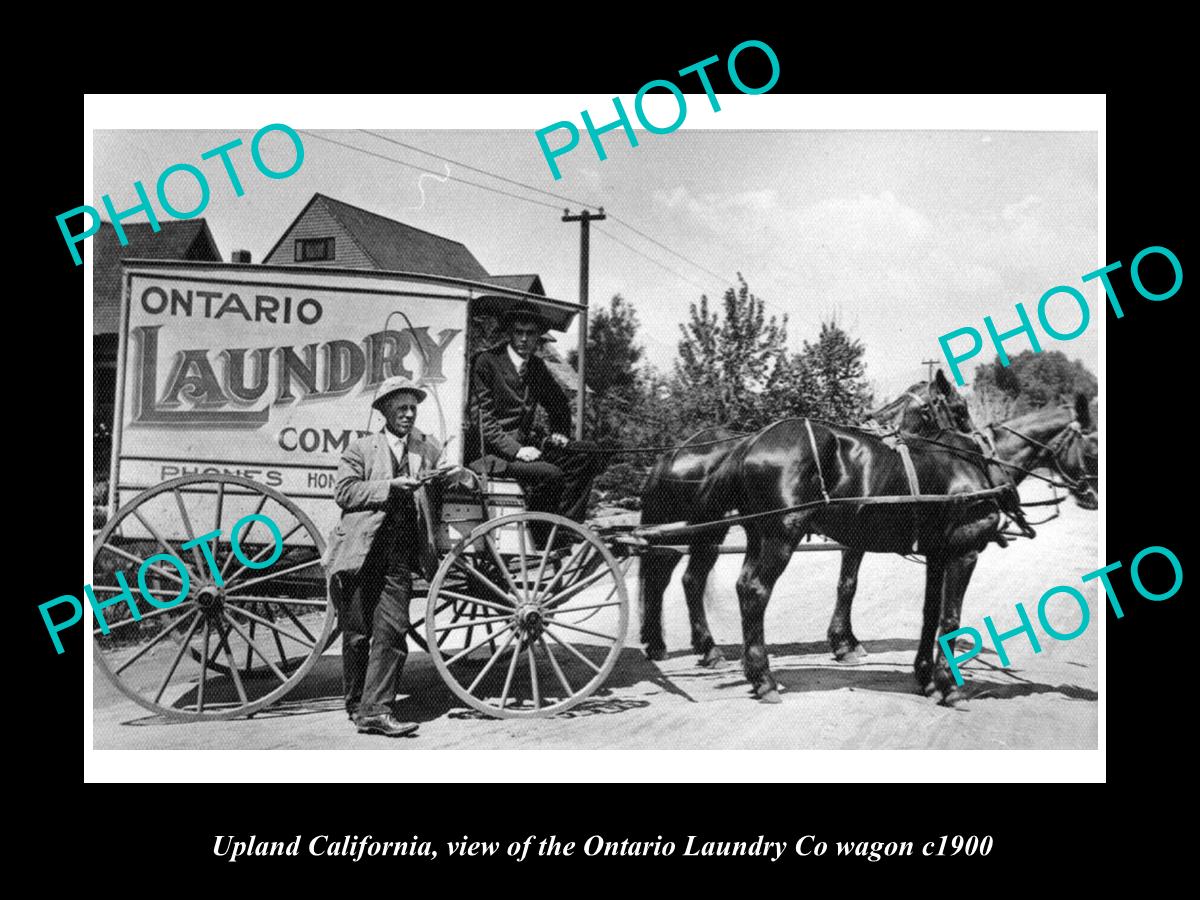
[(898, 236)]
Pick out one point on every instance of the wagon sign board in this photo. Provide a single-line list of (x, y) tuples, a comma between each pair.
[(268, 373)]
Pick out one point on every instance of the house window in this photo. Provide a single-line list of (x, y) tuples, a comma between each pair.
[(314, 249)]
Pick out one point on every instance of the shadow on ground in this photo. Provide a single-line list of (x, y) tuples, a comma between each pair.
[(426, 696), (888, 677)]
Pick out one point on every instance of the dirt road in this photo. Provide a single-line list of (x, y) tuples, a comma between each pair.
[(1046, 700)]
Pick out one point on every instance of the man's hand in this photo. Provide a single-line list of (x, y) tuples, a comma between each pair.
[(558, 440), (405, 483), (529, 454)]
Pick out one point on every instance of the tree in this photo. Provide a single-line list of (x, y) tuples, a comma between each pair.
[(614, 381), (727, 366), (833, 378), (1031, 381)]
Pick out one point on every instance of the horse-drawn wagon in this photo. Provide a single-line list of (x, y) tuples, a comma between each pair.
[(239, 387)]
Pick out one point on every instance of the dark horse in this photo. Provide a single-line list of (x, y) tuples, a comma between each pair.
[(701, 481), (1053, 438)]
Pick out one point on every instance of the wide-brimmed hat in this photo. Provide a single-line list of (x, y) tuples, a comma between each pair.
[(394, 385), (523, 310)]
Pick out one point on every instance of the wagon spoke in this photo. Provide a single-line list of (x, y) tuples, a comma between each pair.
[(484, 580), (607, 637), (145, 616), (524, 564), (249, 651), (561, 598), (472, 622), (572, 609), (563, 571), (560, 642), (274, 626), (158, 537), (468, 599), (491, 545), (291, 615), (473, 648), (203, 668), (137, 559), (178, 656), (537, 582), (512, 667), (253, 646), (257, 511), (315, 561), (275, 632), (491, 662), (554, 665), (265, 551), (447, 629), (289, 601), (157, 638), (187, 526), (421, 621), (559, 608), (533, 679), (233, 670)]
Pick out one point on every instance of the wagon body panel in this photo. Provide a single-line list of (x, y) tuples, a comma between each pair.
[(267, 371)]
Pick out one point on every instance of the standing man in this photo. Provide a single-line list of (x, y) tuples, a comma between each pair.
[(385, 532), (508, 383)]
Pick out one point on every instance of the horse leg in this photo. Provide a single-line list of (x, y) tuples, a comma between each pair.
[(843, 643), (958, 576), (654, 574), (766, 558), (701, 559), (935, 568)]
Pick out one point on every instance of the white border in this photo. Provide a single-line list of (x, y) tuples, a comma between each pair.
[(770, 111)]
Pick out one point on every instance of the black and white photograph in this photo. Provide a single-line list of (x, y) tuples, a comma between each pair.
[(736, 438)]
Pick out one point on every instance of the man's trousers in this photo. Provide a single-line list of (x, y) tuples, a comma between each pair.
[(372, 606), (561, 481)]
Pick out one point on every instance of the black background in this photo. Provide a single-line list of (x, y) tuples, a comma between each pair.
[(1148, 455)]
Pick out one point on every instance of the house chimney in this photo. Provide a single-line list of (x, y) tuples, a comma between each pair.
[(240, 256)]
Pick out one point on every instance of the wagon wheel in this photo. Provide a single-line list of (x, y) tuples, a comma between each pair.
[(511, 641), (270, 607)]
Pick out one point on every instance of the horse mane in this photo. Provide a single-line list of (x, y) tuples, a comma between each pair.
[(890, 410)]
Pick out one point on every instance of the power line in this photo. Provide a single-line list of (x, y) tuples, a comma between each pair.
[(528, 187), (706, 271), (400, 162), (541, 203), (653, 260)]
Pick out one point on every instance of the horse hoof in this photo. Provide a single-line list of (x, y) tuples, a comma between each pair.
[(656, 654), (954, 700), (771, 696), (713, 659), (860, 651), (848, 658), (933, 692)]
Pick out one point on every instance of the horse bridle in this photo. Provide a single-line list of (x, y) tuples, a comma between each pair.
[(1062, 443)]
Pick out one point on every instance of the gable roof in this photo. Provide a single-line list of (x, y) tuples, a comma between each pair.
[(190, 240), (394, 246), (530, 284)]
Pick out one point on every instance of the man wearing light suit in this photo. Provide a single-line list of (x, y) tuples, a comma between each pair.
[(386, 531)]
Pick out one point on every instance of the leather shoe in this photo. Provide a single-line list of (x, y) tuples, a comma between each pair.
[(385, 724)]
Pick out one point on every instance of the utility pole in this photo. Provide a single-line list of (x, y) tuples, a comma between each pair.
[(583, 219), (930, 363)]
